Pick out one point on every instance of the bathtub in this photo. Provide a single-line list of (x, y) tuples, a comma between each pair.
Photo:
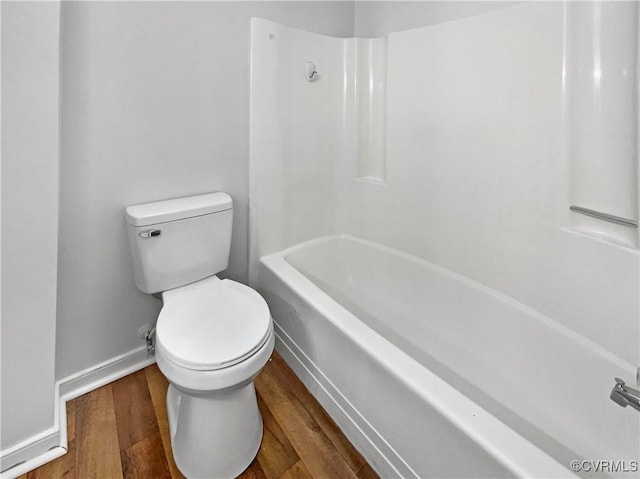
[(431, 374)]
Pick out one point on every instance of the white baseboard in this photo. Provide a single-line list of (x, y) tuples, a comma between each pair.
[(378, 453), (52, 443), (104, 373), (32, 453)]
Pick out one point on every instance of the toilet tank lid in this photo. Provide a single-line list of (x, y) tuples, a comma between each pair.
[(178, 208)]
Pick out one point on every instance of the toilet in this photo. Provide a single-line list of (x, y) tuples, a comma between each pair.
[(213, 336)]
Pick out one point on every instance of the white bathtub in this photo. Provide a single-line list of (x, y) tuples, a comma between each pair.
[(431, 374)]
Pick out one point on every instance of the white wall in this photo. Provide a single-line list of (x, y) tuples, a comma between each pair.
[(377, 18), (30, 69), (155, 104)]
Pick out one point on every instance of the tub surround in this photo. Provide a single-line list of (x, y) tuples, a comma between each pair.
[(467, 183), (476, 177)]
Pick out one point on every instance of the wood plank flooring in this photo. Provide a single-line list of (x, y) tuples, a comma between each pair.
[(121, 431)]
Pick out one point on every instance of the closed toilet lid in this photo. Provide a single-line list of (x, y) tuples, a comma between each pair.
[(212, 324)]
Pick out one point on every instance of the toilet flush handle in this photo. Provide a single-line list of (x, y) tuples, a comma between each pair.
[(150, 233)]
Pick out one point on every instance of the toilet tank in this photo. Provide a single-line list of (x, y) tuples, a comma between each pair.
[(179, 241)]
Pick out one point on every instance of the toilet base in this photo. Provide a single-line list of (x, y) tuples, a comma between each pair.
[(214, 435)]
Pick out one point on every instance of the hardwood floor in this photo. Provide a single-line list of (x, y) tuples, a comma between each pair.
[(121, 431)]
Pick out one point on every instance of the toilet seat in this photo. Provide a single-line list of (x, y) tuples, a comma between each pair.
[(212, 324)]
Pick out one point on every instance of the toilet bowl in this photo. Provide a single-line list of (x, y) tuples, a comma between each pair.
[(213, 336)]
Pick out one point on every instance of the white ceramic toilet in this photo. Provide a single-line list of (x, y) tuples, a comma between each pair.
[(213, 336)]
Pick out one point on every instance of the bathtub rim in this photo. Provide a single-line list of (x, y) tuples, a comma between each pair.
[(508, 447)]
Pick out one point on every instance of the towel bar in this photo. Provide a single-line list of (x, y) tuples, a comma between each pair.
[(604, 216)]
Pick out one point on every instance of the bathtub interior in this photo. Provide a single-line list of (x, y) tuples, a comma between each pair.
[(506, 357), (464, 160)]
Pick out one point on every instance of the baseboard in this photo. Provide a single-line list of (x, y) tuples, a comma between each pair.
[(378, 453), (51, 444), (104, 373), (32, 453)]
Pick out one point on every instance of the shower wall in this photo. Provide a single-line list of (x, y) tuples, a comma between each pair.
[(470, 160), (310, 136), (477, 172), (298, 135), (601, 115)]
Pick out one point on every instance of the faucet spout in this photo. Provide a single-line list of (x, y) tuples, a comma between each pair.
[(624, 395)]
